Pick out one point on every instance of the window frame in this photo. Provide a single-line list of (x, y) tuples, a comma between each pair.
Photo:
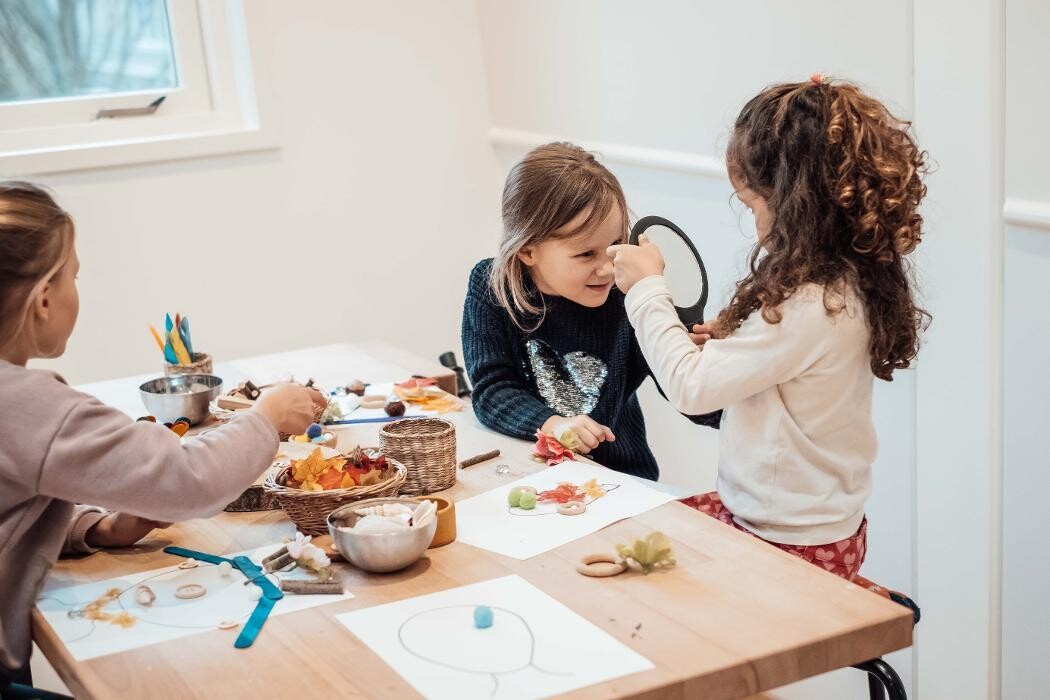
[(217, 107)]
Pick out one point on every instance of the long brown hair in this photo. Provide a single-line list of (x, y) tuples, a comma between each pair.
[(36, 237), (544, 192), (843, 180)]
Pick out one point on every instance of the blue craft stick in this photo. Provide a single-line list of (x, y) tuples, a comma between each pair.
[(184, 333), (169, 354), (167, 323), (380, 419)]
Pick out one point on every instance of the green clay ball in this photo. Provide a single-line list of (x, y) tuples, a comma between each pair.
[(514, 498), (527, 501)]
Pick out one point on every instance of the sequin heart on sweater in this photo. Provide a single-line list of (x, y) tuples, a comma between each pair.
[(570, 384)]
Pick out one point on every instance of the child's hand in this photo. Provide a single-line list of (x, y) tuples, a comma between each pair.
[(590, 432), (289, 407), (120, 530), (700, 334), (632, 263)]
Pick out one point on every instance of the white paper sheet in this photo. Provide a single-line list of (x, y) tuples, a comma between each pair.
[(536, 647), (227, 598), (487, 521)]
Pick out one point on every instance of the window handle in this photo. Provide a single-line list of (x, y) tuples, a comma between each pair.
[(131, 111)]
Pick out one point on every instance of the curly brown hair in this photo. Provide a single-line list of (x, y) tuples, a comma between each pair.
[(843, 180)]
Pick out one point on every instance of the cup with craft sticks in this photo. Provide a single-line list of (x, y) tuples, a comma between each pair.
[(177, 347)]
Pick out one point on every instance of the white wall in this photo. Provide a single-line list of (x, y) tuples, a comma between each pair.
[(363, 224), (670, 77), (1026, 381)]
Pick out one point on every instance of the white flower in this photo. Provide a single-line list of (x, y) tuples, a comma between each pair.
[(315, 558), (297, 548)]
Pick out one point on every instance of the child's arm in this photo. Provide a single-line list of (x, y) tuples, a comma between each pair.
[(92, 527), (640, 369), (502, 399), (757, 356)]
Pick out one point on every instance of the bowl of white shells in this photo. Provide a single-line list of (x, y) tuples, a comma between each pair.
[(381, 535)]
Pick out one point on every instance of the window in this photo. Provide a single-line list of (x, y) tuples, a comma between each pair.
[(86, 83)]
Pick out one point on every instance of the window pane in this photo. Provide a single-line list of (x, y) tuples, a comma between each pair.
[(81, 48)]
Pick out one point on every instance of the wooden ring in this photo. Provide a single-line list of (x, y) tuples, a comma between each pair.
[(373, 401), (600, 566), (572, 508)]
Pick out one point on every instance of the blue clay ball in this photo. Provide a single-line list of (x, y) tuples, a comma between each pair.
[(483, 617), (313, 431)]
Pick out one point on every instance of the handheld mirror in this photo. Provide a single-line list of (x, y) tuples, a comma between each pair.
[(685, 273)]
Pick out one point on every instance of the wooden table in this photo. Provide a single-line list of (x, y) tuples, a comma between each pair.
[(734, 618)]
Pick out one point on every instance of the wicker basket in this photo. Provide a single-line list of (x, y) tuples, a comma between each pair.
[(201, 365), (427, 448), (309, 509)]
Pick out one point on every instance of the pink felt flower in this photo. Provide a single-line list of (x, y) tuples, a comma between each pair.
[(550, 450)]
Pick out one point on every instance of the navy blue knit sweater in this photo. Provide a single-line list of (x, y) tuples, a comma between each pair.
[(521, 379)]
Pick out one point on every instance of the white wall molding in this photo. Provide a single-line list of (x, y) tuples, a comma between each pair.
[(1028, 213), (655, 158)]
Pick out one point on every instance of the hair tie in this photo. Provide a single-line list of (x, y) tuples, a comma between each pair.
[(818, 79)]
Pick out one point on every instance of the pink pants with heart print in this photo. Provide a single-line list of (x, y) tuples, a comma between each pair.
[(842, 558)]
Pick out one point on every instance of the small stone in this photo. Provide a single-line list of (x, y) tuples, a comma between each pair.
[(225, 568), (395, 408), (314, 431), (145, 596), (527, 501), (502, 469), (255, 593), (483, 617)]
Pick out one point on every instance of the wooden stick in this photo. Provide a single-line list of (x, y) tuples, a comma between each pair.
[(307, 587), (278, 563), (477, 459)]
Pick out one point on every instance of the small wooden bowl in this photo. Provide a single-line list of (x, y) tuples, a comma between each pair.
[(446, 521)]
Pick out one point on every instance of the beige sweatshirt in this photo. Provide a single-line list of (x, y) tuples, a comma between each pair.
[(59, 447), (797, 441)]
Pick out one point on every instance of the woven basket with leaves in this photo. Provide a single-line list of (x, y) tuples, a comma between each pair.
[(427, 448), (309, 509), (201, 365)]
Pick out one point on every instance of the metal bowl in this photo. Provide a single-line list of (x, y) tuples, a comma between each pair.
[(378, 552), (187, 395)]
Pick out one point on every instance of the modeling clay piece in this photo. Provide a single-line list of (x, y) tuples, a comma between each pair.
[(255, 593), (225, 568), (145, 596), (314, 431), (527, 501), (395, 408), (190, 591), (483, 617)]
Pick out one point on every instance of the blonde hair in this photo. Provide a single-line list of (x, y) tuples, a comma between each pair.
[(544, 192), (36, 237)]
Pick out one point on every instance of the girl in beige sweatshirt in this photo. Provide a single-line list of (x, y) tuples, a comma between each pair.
[(833, 180), (59, 447)]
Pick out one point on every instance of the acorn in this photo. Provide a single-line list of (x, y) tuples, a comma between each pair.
[(395, 408)]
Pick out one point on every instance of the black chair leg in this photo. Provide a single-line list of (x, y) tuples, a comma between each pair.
[(883, 680)]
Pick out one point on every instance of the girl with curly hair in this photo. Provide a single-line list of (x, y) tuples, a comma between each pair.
[(834, 181)]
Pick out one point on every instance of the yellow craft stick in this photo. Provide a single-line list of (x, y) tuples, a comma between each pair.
[(156, 336), (180, 349)]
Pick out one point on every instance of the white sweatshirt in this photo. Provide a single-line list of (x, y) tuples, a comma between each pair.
[(797, 441)]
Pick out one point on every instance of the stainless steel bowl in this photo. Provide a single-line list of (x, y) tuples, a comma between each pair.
[(187, 395), (378, 552)]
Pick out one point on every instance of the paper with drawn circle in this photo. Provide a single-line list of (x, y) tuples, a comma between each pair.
[(536, 647)]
